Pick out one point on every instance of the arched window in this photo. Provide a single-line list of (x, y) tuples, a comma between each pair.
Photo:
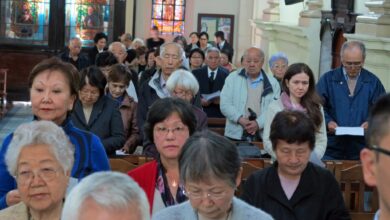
[(168, 16)]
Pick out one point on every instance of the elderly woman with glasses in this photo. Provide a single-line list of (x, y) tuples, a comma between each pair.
[(210, 168), (53, 86), (278, 64), (182, 84), (97, 113), (40, 157), (170, 122)]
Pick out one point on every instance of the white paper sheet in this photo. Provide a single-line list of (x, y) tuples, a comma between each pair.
[(120, 153), (355, 131), (211, 96)]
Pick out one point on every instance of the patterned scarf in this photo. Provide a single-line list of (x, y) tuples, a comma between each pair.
[(163, 187), (287, 104)]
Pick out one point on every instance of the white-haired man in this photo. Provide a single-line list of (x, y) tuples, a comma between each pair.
[(106, 196), (74, 56)]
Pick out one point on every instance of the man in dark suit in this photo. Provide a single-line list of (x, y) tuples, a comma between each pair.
[(211, 79), (222, 44)]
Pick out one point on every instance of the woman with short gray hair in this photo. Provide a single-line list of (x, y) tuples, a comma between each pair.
[(110, 194), (183, 84), (278, 64), (40, 157), (210, 169)]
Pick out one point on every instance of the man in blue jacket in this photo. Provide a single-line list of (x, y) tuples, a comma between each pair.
[(348, 92)]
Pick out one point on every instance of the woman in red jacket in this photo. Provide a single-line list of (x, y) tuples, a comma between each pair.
[(169, 123)]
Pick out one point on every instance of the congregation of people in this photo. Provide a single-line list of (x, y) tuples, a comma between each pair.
[(154, 98)]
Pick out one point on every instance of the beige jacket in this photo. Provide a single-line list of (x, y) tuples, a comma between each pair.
[(15, 212)]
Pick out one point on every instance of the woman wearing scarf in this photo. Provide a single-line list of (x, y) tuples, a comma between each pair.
[(298, 94)]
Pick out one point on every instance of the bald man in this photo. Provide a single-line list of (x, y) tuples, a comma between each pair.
[(74, 56), (248, 88)]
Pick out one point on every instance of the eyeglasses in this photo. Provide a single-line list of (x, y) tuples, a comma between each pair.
[(352, 64), (182, 93), (380, 150), (201, 195), (47, 174), (164, 131), (279, 66)]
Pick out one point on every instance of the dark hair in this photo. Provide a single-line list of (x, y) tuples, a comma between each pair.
[(56, 64), (192, 33), (99, 36), (227, 53), (140, 51), (292, 127), (94, 77), (311, 101), (163, 108), (105, 58), (197, 50), (378, 121), (205, 34), (182, 39), (206, 155), (220, 34), (119, 73)]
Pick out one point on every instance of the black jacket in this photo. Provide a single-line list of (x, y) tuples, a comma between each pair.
[(317, 196), (105, 121), (201, 75)]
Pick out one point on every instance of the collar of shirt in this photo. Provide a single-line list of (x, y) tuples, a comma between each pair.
[(347, 77), (209, 72), (163, 85), (254, 82), (376, 217), (221, 44)]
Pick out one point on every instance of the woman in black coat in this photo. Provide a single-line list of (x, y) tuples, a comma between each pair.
[(294, 188), (97, 113)]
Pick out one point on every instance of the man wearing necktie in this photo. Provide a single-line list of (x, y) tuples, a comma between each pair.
[(348, 92), (211, 78)]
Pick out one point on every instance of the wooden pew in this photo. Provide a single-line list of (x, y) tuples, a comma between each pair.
[(217, 125), (353, 188), (121, 165)]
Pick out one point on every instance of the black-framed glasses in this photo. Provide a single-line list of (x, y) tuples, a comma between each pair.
[(379, 150)]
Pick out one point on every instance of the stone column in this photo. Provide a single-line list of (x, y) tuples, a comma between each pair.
[(377, 21), (272, 13), (313, 10)]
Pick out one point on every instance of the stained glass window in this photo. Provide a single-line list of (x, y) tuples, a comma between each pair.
[(85, 18), (24, 21), (168, 16)]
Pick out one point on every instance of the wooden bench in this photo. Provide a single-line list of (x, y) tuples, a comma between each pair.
[(216, 125), (353, 188)]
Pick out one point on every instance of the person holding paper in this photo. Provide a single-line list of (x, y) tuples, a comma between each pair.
[(348, 92), (298, 94), (247, 88), (211, 78)]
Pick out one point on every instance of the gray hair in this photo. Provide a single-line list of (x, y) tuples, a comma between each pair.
[(261, 52), (212, 49), (73, 39), (351, 44), (117, 43), (277, 56), (138, 40), (40, 132), (110, 190), (184, 79), (206, 155), (179, 48)]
